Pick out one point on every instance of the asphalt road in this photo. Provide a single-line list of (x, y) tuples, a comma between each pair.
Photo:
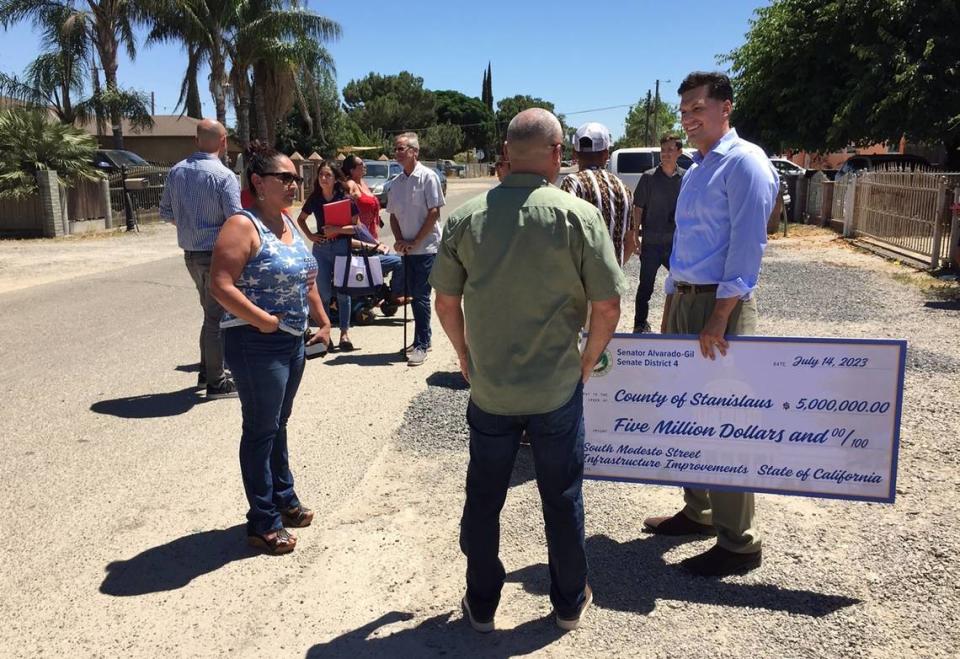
[(120, 480)]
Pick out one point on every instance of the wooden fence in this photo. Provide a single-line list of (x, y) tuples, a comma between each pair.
[(908, 213), (19, 218)]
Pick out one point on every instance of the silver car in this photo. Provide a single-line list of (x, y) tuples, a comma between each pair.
[(380, 174)]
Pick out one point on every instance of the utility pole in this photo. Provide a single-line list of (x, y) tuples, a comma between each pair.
[(656, 111)]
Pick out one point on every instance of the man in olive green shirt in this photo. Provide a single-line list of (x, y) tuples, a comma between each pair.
[(524, 259)]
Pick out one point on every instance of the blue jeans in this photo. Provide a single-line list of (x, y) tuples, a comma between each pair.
[(267, 369), (393, 263), (652, 256), (326, 254), (556, 439), (418, 270)]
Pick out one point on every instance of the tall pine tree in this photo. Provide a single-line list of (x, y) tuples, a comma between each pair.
[(486, 95)]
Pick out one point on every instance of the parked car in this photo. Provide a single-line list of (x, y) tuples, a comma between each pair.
[(630, 163), (381, 173), (882, 160), (143, 175), (785, 166)]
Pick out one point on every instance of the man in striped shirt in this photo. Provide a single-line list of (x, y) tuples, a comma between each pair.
[(606, 191), (199, 195)]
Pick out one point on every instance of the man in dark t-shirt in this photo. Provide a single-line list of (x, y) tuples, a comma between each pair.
[(654, 206)]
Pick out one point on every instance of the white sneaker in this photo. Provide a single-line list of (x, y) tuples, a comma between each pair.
[(417, 357)]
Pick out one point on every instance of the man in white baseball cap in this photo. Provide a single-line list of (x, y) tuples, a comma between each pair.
[(594, 184)]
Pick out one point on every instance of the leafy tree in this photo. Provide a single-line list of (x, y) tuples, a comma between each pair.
[(646, 121), (508, 108), (441, 141), (31, 141), (389, 103), (467, 112), (820, 75)]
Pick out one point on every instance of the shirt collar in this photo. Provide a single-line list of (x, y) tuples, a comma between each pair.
[(416, 169), (723, 145), (518, 180), (203, 155)]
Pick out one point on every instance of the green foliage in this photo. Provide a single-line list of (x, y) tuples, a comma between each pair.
[(646, 121), (508, 108), (486, 93), (468, 112), (31, 141), (823, 74), (441, 141), (389, 103)]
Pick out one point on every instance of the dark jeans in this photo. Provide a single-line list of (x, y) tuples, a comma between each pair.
[(267, 369), (392, 264), (651, 258), (418, 285), (556, 439), (211, 341)]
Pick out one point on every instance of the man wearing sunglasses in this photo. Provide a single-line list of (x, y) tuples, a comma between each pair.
[(199, 195), (414, 203)]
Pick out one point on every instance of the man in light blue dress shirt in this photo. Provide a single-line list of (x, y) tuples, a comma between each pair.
[(199, 195), (721, 217)]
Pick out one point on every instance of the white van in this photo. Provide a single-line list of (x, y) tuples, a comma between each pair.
[(630, 163)]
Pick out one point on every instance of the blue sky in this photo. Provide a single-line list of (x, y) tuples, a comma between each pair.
[(578, 55)]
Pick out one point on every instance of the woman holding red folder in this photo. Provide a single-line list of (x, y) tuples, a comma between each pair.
[(330, 240)]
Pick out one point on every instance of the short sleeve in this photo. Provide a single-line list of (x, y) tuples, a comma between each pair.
[(641, 196), (448, 275), (432, 192), (230, 196), (601, 274)]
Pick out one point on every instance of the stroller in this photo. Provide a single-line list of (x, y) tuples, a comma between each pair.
[(378, 294)]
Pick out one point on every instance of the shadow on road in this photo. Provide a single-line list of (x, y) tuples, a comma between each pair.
[(360, 359), (632, 576), (438, 636), (188, 368), (945, 305), (448, 380), (149, 406), (177, 563)]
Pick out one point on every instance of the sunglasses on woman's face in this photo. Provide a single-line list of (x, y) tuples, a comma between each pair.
[(285, 177)]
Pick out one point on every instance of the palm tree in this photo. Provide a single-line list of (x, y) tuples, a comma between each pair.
[(110, 25), (275, 43), (57, 76), (31, 141)]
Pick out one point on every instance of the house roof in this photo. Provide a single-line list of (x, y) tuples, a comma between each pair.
[(164, 125)]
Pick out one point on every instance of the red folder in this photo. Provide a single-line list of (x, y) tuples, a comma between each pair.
[(338, 213)]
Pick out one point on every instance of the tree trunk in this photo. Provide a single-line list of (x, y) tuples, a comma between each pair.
[(260, 101), (241, 94), (218, 76), (192, 103), (108, 58), (304, 110)]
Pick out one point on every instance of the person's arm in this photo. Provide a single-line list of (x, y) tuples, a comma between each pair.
[(604, 316), (399, 243), (302, 223), (317, 312), (450, 313), (235, 245), (166, 205), (433, 215), (230, 196), (353, 190)]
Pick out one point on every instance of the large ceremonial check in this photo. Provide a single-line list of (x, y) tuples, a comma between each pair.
[(809, 417)]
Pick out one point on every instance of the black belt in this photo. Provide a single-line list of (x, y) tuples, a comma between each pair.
[(693, 289)]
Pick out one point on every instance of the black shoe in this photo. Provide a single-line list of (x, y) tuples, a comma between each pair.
[(642, 329), (677, 525), (569, 623), (226, 389), (719, 562), (202, 381), (482, 625)]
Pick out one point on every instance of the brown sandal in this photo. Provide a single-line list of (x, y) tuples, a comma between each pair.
[(281, 543), (296, 517)]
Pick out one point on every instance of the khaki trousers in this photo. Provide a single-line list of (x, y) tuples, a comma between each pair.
[(731, 513)]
